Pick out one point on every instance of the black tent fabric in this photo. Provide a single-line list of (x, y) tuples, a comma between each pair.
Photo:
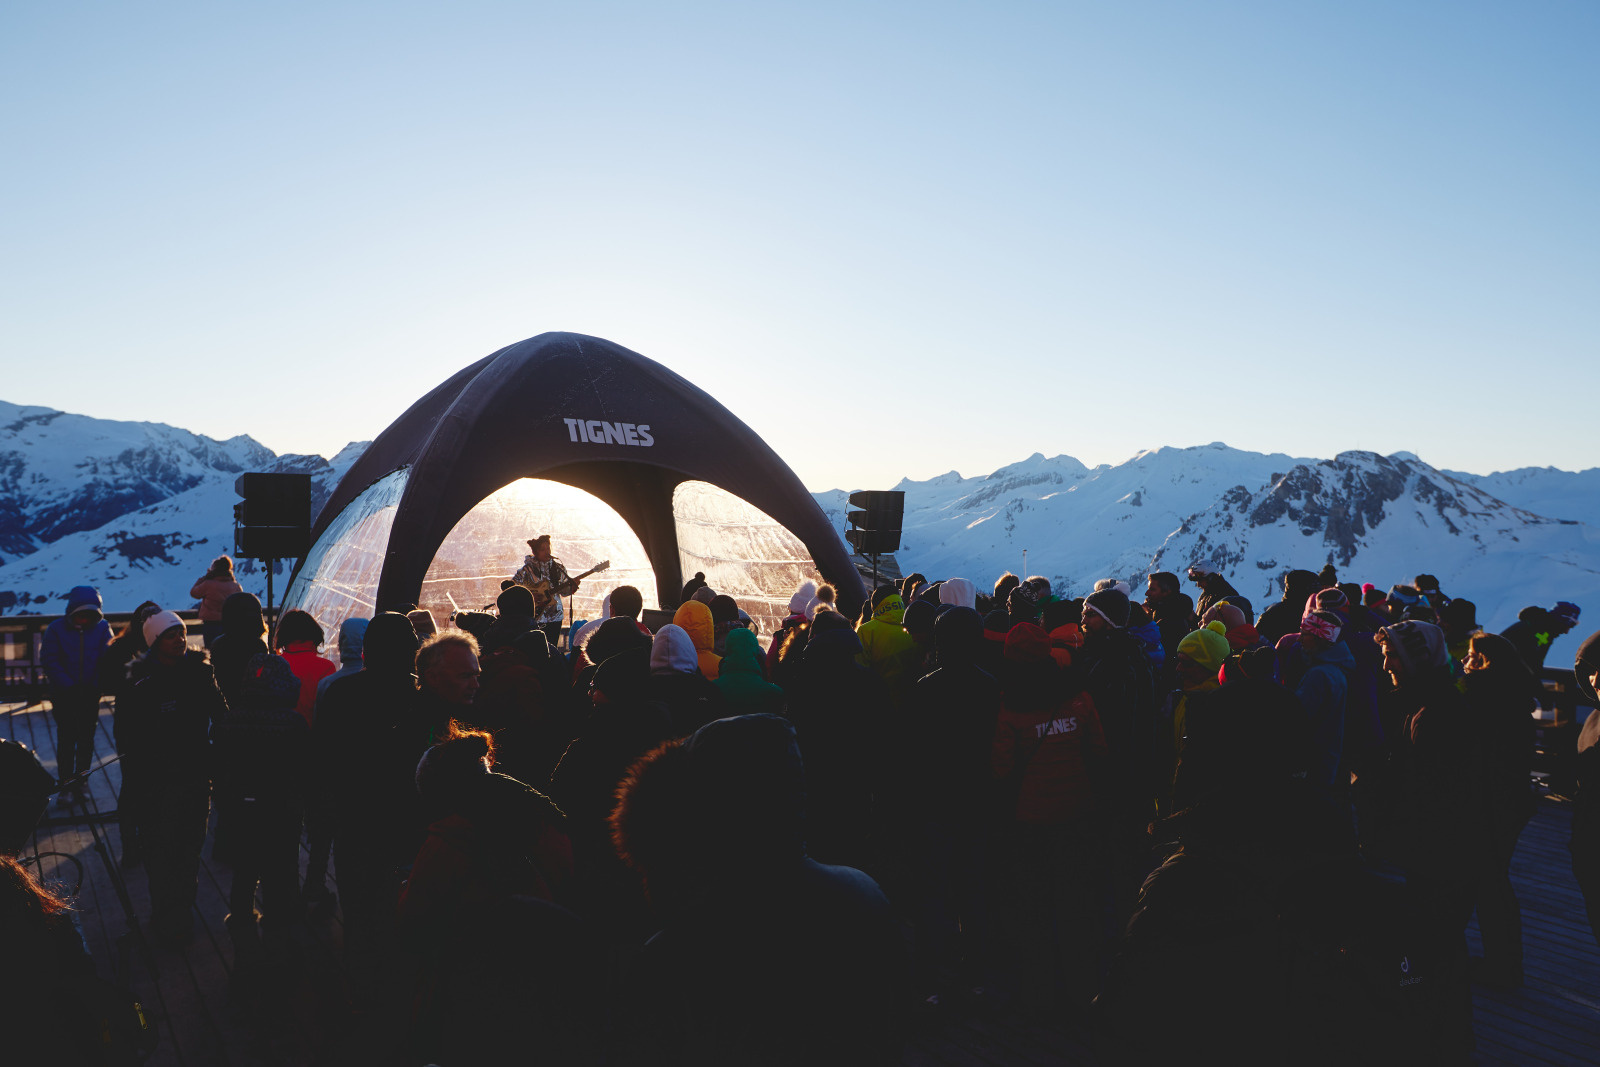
[(591, 414)]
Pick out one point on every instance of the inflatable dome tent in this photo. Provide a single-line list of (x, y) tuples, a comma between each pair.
[(616, 457)]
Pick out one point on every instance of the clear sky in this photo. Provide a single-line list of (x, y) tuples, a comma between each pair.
[(895, 238)]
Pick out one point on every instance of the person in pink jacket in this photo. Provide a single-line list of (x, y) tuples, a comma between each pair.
[(216, 586)]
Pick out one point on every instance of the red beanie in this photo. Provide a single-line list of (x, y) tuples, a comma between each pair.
[(1027, 643)]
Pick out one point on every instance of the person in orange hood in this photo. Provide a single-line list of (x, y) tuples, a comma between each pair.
[(695, 618)]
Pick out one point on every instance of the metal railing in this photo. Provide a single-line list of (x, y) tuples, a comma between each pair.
[(22, 637)]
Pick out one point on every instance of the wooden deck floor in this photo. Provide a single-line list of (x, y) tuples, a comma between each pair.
[(206, 1017)]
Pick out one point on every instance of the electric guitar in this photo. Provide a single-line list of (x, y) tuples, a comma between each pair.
[(543, 593)]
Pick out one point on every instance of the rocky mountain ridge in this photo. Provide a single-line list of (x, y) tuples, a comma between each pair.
[(1375, 518)]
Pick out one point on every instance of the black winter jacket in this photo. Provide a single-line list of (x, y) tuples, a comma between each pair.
[(1503, 704), (945, 737), (1116, 674), (369, 734), (163, 726), (1441, 819), (264, 756)]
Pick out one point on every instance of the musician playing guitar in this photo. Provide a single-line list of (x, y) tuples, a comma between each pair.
[(548, 581)]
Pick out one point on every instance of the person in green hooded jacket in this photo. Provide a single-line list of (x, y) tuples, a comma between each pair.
[(741, 680)]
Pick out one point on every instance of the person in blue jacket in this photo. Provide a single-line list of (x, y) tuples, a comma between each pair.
[(70, 655)]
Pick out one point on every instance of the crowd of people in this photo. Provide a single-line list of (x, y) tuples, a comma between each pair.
[(703, 845)]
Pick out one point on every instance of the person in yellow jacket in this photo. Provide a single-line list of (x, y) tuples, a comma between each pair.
[(695, 618), (886, 648), (1200, 658)]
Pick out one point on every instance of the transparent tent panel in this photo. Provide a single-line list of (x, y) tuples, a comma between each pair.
[(743, 551), (489, 543), (338, 579)]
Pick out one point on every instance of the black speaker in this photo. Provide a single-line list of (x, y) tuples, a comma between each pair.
[(273, 521), (273, 499), (877, 524), (271, 542)]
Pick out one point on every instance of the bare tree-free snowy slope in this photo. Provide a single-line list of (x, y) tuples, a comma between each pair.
[(1544, 491)]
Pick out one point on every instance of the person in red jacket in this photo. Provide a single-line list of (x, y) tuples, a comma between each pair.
[(299, 641), (1047, 752)]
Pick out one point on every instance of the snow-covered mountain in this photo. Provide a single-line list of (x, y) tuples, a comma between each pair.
[(63, 473), (1076, 524), (1375, 518), (1385, 519), (137, 509), (140, 509)]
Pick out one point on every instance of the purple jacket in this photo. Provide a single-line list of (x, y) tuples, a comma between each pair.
[(70, 656)]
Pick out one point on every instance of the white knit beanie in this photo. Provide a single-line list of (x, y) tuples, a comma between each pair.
[(160, 623)]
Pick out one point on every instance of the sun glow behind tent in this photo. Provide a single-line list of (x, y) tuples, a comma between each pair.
[(612, 454)]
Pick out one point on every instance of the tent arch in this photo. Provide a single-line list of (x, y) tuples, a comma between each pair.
[(527, 411)]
